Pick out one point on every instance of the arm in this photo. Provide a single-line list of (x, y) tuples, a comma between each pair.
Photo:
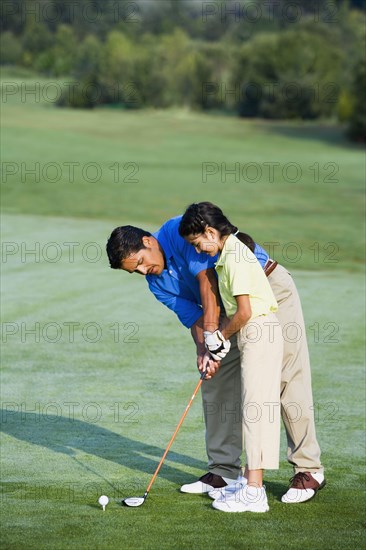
[(197, 335), (190, 315), (204, 359), (210, 300), (240, 318), (209, 292), (217, 342)]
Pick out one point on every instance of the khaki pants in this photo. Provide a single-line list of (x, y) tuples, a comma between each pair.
[(296, 394), (260, 344), (221, 395)]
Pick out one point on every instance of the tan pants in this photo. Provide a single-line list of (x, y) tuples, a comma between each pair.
[(296, 394), (260, 344), (221, 396)]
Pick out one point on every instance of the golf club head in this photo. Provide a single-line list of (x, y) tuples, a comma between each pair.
[(133, 501)]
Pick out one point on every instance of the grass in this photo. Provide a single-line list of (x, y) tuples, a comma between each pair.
[(149, 165), (82, 419), (88, 409)]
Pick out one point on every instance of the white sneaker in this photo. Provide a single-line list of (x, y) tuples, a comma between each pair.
[(248, 499), (224, 492), (206, 483), (304, 486)]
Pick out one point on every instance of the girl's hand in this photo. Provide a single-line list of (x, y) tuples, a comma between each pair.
[(216, 344)]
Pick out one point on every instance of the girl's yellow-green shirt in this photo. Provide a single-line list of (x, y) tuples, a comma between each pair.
[(239, 272)]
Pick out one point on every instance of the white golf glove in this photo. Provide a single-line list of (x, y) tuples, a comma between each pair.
[(216, 344)]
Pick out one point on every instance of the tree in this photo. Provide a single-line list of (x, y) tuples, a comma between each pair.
[(64, 50), (180, 65), (10, 48), (357, 122), (60, 58), (36, 40), (86, 90), (290, 74), (118, 68)]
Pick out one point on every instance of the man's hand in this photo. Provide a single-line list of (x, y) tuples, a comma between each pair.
[(206, 363), (216, 344)]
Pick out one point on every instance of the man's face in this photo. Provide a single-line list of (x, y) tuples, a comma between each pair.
[(147, 261)]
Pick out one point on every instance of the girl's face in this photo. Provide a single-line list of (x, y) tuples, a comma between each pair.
[(209, 242)]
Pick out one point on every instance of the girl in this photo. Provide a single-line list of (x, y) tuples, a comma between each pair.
[(250, 305)]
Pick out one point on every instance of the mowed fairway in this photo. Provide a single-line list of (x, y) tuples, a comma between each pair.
[(96, 374)]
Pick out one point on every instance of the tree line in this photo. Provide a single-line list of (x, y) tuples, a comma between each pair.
[(266, 58)]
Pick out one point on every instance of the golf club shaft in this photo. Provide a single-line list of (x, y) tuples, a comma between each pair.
[(176, 431)]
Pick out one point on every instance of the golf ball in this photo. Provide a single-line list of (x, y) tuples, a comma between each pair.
[(103, 500)]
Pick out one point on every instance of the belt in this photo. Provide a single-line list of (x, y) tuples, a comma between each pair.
[(270, 266)]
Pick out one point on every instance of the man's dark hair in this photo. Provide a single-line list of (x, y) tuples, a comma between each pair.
[(123, 242)]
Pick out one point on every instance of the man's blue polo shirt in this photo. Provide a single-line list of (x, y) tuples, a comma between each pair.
[(177, 287)]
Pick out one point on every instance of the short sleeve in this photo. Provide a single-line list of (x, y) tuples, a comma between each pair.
[(187, 312), (197, 262), (261, 255)]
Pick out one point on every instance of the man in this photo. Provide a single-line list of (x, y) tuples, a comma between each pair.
[(185, 282)]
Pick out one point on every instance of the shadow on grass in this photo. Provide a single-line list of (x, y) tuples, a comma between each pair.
[(64, 435), (332, 135), (276, 489)]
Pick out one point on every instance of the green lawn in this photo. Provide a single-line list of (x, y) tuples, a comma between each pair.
[(96, 374), (292, 183)]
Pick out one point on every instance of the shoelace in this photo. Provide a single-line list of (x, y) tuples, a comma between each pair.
[(298, 481)]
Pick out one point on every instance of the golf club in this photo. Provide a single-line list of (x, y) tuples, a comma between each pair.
[(138, 501)]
